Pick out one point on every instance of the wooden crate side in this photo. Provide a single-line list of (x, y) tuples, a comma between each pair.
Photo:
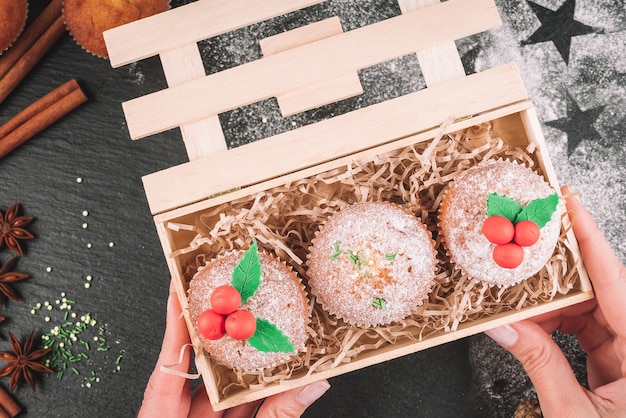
[(394, 351), (535, 135), (332, 138), (314, 62), (190, 23), (181, 212)]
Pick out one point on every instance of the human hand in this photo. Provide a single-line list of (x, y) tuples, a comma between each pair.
[(168, 395), (600, 326)]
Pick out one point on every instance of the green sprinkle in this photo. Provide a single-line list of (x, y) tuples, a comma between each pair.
[(75, 370), (60, 375), (336, 250), (379, 303), (390, 256), (118, 360), (354, 259)]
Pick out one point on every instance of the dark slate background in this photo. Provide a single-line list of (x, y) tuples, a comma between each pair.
[(571, 55)]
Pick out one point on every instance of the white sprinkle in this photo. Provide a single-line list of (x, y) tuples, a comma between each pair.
[(264, 120), (79, 179), (89, 245), (32, 311), (89, 277), (48, 269), (85, 213), (49, 307), (111, 244), (87, 285), (47, 319), (85, 226)]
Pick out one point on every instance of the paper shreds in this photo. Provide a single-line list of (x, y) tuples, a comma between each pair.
[(284, 220)]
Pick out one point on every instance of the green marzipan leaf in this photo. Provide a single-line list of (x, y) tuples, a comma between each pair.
[(539, 210), (247, 273), (498, 205), (269, 339)]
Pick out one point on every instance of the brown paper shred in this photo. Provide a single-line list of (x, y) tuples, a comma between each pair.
[(284, 220)]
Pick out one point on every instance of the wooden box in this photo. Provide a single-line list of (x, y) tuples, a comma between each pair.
[(476, 116)]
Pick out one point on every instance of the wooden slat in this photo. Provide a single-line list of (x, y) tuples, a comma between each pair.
[(332, 138), (204, 137), (311, 63), (316, 94), (190, 23), (301, 36), (440, 63)]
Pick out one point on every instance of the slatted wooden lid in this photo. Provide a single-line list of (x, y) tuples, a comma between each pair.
[(303, 69)]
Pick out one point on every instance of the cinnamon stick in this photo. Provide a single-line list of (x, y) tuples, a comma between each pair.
[(39, 115), (8, 404), (38, 39)]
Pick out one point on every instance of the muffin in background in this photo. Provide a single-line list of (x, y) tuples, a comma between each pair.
[(86, 20), (13, 14)]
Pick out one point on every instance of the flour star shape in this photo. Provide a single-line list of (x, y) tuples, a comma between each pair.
[(557, 26), (578, 125)]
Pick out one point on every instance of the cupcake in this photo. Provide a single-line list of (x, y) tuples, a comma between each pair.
[(249, 310), (88, 19), (372, 263), (13, 15), (500, 222)]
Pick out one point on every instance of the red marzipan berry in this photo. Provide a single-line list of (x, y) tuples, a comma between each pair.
[(508, 255), (212, 324), (225, 299), (526, 233), (498, 229), (240, 324)]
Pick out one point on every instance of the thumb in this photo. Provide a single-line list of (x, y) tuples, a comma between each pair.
[(545, 364), (294, 402)]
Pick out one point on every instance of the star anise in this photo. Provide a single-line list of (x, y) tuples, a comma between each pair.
[(7, 276), (12, 229), (23, 362)]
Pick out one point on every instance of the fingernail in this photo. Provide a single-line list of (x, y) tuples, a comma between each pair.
[(505, 335), (311, 393)]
